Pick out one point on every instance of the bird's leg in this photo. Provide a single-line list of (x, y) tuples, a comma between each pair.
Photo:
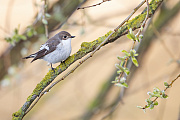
[(59, 70), (52, 68)]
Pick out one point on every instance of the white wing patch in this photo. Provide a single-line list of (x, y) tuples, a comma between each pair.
[(44, 46)]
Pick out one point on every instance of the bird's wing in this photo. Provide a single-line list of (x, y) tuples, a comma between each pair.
[(45, 49)]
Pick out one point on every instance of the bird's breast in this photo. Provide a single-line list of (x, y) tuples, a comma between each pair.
[(62, 52)]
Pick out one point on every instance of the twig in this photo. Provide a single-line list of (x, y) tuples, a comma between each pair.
[(9, 14), (144, 22), (44, 12), (125, 64), (170, 85), (93, 5), (81, 62), (135, 9)]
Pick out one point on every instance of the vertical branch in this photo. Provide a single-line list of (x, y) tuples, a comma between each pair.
[(45, 6), (9, 14), (144, 22)]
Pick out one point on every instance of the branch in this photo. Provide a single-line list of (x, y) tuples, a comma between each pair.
[(97, 103), (167, 86), (93, 5), (45, 6), (86, 47)]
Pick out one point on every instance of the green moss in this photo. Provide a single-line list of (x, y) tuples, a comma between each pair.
[(29, 98), (107, 34), (69, 60), (18, 115), (137, 21)]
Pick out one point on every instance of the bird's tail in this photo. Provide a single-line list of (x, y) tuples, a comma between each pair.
[(30, 56)]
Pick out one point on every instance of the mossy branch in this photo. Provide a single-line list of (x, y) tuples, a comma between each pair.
[(86, 47)]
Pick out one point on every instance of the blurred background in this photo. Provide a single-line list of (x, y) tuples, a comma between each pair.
[(88, 93)]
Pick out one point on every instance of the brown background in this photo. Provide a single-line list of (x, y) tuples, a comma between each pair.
[(70, 98)]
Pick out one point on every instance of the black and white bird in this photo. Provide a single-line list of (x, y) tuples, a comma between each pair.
[(56, 49)]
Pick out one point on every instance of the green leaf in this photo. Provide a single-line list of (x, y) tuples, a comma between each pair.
[(157, 95), (121, 58), (151, 106), (119, 71), (113, 81), (16, 31), (156, 89), (130, 31), (164, 96), (117, 78), (121, 85), (141, 36), (140, 107), (147, 106), (30, 31), (131, 53), (150, 94), (121, 64), (23, 37), (155, 103), (147, 100), (131, 35), (44, 21), (134, 60), (166, 84), (137, 39), (133, 50), (47, 15), (126, 71), (124, 51), (119, 67), (136, 54), (125, 85)]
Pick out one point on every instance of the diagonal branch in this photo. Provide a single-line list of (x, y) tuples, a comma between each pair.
[(86, 47)]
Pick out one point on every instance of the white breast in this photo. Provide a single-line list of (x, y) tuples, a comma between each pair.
[(61, 53)]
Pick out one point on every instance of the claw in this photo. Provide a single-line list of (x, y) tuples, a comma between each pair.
[(52, 68)]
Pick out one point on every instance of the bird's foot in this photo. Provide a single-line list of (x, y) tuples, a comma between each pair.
[(53, 68)]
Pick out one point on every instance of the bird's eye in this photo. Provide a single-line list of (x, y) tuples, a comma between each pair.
[(65, 36)]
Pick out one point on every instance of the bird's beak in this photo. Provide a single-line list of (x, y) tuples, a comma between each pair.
[(72, 36)]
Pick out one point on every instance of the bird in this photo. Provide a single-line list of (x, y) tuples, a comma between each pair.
[(54, 50)]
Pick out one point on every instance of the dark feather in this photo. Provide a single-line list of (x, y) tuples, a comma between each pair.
[(42, 53), (52, 44)]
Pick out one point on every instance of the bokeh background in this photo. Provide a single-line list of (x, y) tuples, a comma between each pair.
[(75, 97)]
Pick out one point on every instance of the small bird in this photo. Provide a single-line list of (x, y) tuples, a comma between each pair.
[(56, 49)]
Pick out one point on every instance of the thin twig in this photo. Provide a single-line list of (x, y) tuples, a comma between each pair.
[(93, 5), (44, 12), (125, 64), (170, 85), (81, 62), (9, 14), (144, 22)]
